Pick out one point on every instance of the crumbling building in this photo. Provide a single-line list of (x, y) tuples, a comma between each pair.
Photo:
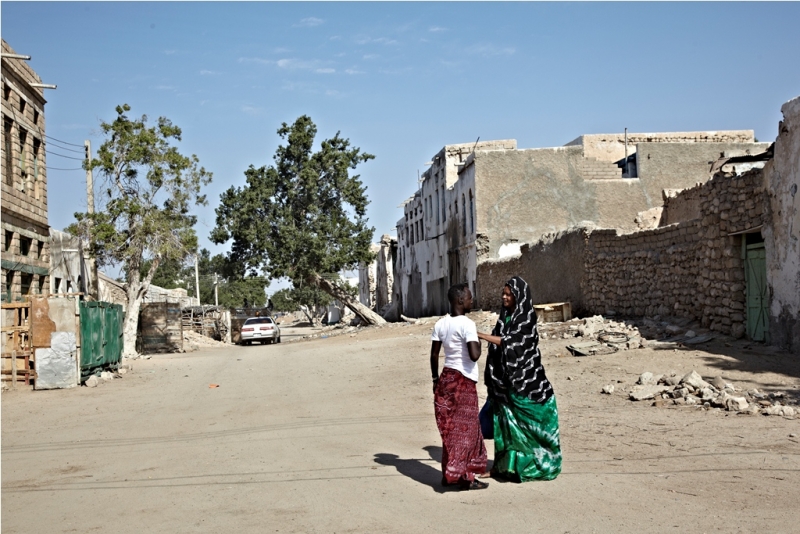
[(479, 202)]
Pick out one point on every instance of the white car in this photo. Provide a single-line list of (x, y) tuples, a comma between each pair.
[(261, 329)]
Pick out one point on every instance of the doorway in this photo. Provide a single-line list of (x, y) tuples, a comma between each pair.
[(757, 300)]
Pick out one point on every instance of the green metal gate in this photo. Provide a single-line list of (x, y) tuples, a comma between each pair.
[(101, 336), (755, 270)]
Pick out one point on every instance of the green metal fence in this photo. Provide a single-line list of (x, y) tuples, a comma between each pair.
[(101, 336)]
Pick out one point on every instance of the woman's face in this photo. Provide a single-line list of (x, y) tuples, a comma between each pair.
[(509, 302)]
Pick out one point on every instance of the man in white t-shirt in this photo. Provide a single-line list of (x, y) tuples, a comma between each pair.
[(455, 395)]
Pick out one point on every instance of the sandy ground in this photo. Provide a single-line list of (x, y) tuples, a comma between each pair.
[(337, 435)]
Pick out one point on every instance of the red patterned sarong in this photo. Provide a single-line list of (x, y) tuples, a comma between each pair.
[(455, 403)]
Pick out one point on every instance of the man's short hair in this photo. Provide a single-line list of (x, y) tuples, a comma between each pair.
[(456, 292)]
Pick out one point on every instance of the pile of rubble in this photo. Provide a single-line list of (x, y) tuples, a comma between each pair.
[(693, 390), (107, 376), (601, 335), (193, 341)]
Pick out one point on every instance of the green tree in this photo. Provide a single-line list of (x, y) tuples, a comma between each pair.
[(147, 191), (234, 285), (304, 217)]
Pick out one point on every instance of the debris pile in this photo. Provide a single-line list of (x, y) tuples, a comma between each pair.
[(693, 390), (106, 376), (193, 341)]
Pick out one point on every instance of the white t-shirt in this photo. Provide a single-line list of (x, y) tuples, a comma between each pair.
[(455, 333)]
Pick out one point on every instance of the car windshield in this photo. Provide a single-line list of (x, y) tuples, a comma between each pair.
[(259, 320)]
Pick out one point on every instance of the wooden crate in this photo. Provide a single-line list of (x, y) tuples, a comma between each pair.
[(555, 312)]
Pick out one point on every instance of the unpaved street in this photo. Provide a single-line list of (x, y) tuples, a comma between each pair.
[(337, 435)]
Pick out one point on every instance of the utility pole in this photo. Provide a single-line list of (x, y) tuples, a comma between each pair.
[(197, 279), (216, 294), (91, 263)]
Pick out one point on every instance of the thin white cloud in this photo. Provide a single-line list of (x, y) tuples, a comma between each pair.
[(258, 60), (370, 56), (363, 40), (309, 22), (354, 71), (252, 110), (166, 87), (325, 71), (489, 50), (205, 72), (170, 52), (436, 29)]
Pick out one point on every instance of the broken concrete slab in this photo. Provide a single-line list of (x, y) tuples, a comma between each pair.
[(639, 393)]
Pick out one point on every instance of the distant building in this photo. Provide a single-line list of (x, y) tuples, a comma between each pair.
[(25, 237), (482, 201)]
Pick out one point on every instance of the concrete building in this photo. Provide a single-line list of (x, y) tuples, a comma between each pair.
[(481, 202), (376, 280), (25, 237)]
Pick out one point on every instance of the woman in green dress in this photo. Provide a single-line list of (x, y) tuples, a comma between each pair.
[(526, 437)]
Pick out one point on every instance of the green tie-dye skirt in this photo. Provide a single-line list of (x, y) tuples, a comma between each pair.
[(526, 439)]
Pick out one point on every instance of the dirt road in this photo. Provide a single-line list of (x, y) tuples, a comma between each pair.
[(337, 435)]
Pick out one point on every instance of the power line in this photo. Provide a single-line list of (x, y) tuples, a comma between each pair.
[(60, 141), (63, 156), (61, 169), (65, 148)]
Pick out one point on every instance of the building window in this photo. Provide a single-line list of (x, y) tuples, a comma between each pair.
[(57, 288), (437, 206), (9, 240), (471, 213), (36, 116), (6, 92), (428, 267), (39, 249), (41, 284), (8, 151), (444, 204), (36, 147), (421, 231), (23, 171), (463, 215), (22, 103), (9, 283), (26, 283), (24, 245)]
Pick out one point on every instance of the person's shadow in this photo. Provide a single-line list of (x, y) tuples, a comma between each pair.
[(418, 469)]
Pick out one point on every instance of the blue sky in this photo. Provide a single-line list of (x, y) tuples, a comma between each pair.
[(400, 80)]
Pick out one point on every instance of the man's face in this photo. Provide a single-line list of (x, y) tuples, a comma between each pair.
[(467, 301)]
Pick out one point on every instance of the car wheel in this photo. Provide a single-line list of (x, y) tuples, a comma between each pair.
[(279, 339)]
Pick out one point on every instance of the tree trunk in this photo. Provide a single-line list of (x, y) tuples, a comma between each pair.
[(136, 289), (367, 315), (308, 315)]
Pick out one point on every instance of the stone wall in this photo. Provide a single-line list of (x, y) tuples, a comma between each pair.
[(553, 268), (611, 147), (691, 269)]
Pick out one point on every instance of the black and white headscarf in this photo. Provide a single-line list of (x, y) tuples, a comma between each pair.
[(517, 364)]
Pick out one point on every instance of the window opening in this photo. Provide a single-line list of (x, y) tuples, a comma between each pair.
[(41, 285), (471, 213), (437, 206), (9, 240), (24, 245), (463, 215), (9, 283), (6, 91), (23, 139), (7, 148), (57, 288), (26, 283), (36, 116), (22, 104)]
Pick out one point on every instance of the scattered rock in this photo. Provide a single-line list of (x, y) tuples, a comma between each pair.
[(122, 370), (672, 380), (736, 404), (646, 378), (718, 382), (92, 381), (695, 380), (640, 393), (690, 333), (609, 389), (106, 375)]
